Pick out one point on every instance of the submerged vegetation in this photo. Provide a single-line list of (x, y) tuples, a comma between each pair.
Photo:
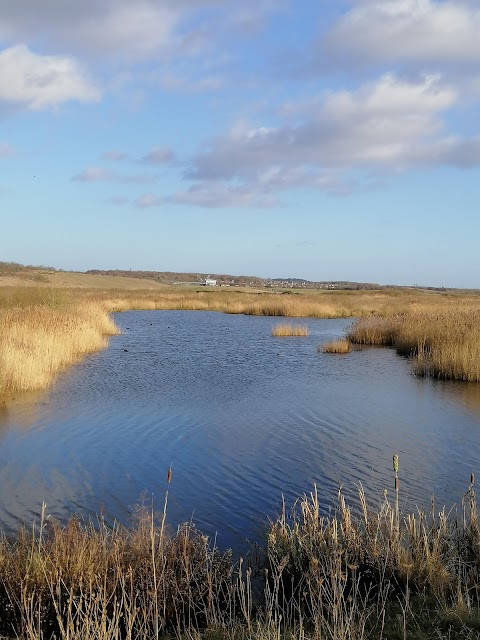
[(378, 574), (286, 329)]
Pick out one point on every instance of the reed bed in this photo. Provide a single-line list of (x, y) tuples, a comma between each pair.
[(42, 330), (317, 304), (40, 337), (379, 573), (442, 342), (355, 574), (336, 346), (286, 329)]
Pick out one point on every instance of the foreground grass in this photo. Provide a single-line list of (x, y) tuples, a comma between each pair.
[(380, 574)]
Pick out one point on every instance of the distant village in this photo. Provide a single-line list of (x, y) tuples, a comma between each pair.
[(223, 280)]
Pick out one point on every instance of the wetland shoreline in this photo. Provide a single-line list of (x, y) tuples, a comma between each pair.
[(44, 330)]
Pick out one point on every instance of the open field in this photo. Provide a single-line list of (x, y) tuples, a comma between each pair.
[(63, 279), (376, 575)]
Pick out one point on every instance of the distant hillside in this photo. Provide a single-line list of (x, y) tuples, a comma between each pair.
[(26, 272), (172, 277)]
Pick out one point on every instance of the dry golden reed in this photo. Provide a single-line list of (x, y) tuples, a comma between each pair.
[(443, 342), (43, 329), (336, 346), (349, 575), (39, 340), (286, 329)]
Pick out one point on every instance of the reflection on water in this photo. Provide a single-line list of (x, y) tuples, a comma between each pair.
[(242, 416)]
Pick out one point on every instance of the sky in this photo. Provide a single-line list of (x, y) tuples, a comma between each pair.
[(321, 139)]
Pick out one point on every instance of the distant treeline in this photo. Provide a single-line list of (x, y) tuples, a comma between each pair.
[(168, 277)]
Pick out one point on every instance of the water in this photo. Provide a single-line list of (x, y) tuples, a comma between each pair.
[(242, 417)]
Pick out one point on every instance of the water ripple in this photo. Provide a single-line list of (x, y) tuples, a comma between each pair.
[(243, 417)]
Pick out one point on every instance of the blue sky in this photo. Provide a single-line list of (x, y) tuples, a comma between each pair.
[(321, 139)]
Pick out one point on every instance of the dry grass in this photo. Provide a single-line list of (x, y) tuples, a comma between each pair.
[(43, 329), (286, 329), (336, 346), (316, 304), (41, 335), (338, 577), (443, 342), (88, 582), (378, 574)]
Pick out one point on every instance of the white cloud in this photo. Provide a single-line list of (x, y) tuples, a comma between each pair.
[(420, 33), (212, 195), (93, 174), (125, 29), (148, 200), (158, 156), (119, 30), (386, 124), (35, 81), (175, 82), (99, 174), (6, 150), (115, 156), (337, 142)]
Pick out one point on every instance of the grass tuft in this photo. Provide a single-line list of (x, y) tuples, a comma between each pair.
[(336, 346), (285, 329)]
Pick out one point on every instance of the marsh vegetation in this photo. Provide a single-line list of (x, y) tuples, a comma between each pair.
[(286, 329), (42, 329), (336, 346), (350, 575), (443, 341)]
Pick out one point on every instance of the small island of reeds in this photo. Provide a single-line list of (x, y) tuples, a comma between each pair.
[(286, 329), (341, 345)]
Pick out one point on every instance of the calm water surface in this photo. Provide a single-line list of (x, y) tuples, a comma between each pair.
[(242, 416)]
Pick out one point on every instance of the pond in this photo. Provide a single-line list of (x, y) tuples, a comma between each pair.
[(241, 416)]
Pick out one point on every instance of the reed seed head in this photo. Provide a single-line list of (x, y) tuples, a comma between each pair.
[(395, 463)]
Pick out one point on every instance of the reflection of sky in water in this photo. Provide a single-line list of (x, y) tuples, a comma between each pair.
[(244, 417)]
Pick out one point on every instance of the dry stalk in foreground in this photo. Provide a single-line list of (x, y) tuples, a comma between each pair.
[(344, 576)]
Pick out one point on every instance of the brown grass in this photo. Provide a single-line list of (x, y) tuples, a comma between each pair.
[(378, 574), (43, 329), (443, 342), (41, 336), (286, 329), (336, 346)]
